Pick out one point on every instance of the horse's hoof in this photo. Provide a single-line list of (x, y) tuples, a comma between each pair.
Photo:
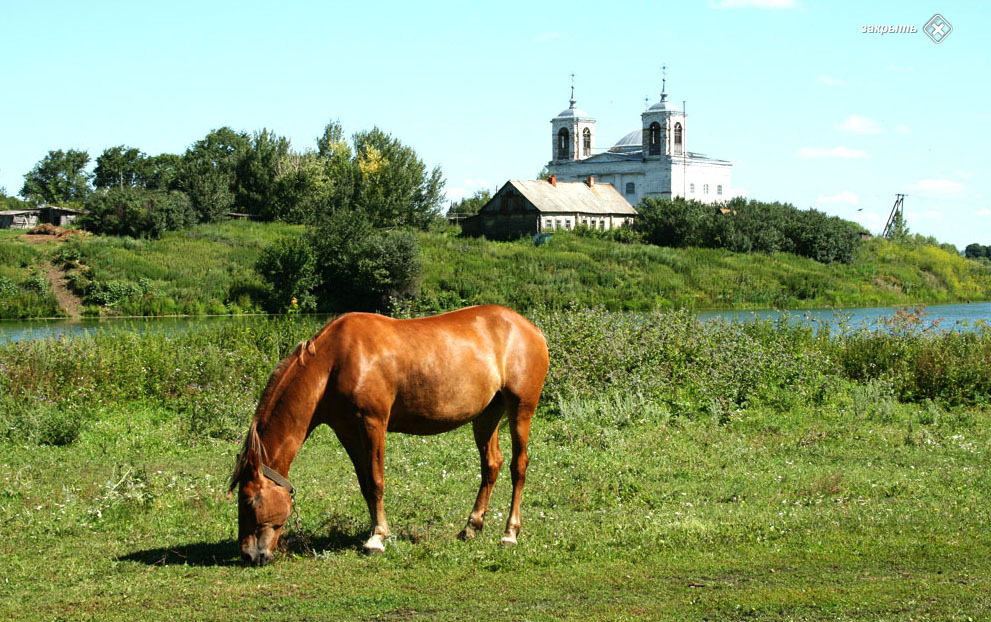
[(468, 533), (374, 546), (509, 541)]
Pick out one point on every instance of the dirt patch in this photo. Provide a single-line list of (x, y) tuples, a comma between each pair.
[(46, 233), (71, 304)]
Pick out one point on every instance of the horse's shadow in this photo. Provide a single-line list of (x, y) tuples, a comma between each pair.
[(225, 553)]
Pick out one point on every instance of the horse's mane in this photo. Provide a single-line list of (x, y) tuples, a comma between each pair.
[(277, 383)]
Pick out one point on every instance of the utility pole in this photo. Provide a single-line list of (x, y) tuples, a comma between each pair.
[(896, 211)]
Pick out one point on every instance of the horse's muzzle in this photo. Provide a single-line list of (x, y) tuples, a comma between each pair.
[(253, 558)]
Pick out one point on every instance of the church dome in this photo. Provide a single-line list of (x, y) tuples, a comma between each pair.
[(633, 141), (662, 106), (573, 113)]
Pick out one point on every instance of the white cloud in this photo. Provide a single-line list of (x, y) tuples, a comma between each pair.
[(856, 124), (830, 81), (903, 129), (944, 188), (844, 197), (756, 4), (835, 152), (983, 212)]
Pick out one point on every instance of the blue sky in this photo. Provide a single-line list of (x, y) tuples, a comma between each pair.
[(810, 109)]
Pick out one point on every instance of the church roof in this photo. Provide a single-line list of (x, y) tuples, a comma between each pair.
[(632, 141), (663, 106), (573, 196), (573, 112)]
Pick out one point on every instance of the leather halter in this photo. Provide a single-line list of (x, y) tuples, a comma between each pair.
[(271, 474)]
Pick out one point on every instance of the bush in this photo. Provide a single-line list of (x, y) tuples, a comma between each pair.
[(136, 212), (289, 268), (748, 226), (362, 268)]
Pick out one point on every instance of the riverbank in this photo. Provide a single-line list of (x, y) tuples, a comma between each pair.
[(209, 270)]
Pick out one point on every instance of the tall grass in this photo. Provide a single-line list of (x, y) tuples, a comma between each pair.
[(24, 290), (208, 269), (577, 271), (210, 376)]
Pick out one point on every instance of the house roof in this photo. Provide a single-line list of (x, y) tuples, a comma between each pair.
[(17, 212), (573, 196)]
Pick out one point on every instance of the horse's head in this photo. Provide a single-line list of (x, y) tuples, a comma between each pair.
[(263, 506)]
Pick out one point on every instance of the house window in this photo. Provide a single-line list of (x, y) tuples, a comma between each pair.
[(557, 223), (654, 138), (602, 225), (562, 144), (548, 224), (691, 188), (586, 142), (631, 188), (719, 189), (567, 223), (677, 137)]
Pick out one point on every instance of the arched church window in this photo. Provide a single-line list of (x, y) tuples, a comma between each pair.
[(631, 188), (586, 142), (692, 188), (719, 189), (562, 144), (654, 136), (677, 137)]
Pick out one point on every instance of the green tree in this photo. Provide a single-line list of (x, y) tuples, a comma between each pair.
[(899, 229), (395, 188), (209, 172), (977, 251), (120, 167), (162, 172), (60, 177), (261, 168), (469, 206)]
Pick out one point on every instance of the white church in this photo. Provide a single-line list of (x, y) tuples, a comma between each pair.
[(653, 161)]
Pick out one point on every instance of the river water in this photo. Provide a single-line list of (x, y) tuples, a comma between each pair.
[(948, 317)]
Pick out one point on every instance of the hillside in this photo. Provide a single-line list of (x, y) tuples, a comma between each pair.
[(638, 277), (208, 269)]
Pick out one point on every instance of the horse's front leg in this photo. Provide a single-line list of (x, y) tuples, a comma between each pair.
[(375, 491)]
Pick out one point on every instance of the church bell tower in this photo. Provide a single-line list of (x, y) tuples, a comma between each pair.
[(572, 133), (664, 129)]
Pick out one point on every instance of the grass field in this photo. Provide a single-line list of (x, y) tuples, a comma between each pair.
[(819, 478)]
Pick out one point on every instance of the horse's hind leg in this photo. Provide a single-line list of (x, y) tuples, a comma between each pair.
[(520, 415), (486, 429)]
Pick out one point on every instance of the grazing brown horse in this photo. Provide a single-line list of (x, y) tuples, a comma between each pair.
[(366, 374)]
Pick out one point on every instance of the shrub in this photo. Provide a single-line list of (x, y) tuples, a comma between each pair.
[(289, 268), (137, 212), (363, 268)]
